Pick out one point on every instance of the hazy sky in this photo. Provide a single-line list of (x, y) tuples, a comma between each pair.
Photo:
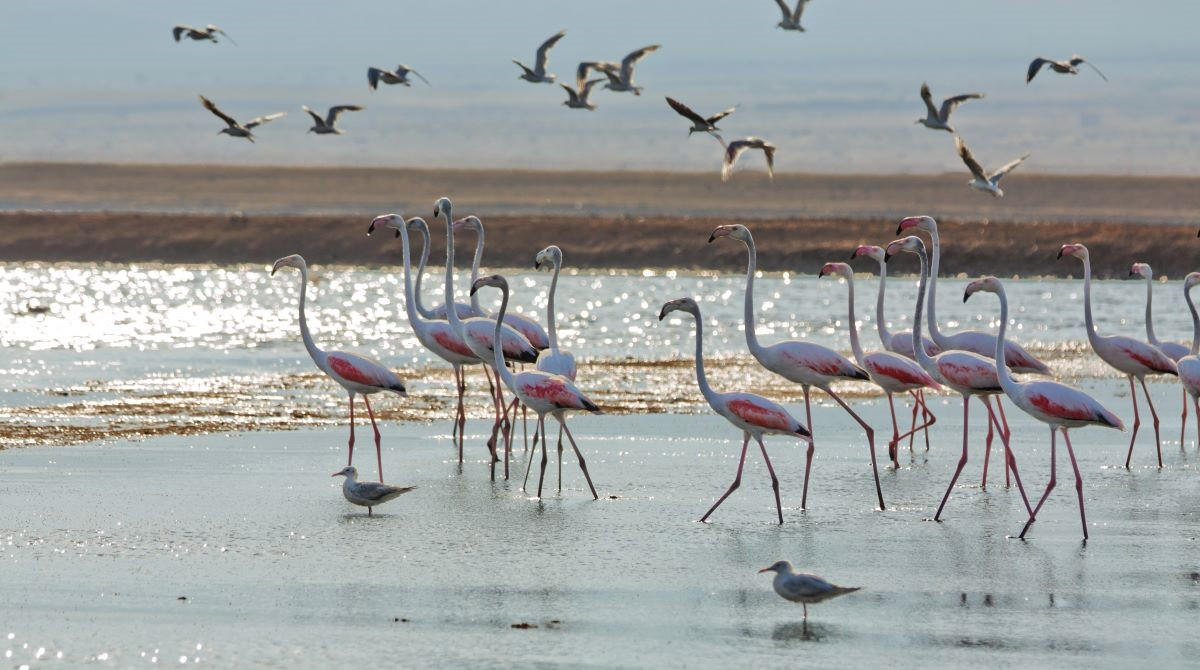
[(105, 81)]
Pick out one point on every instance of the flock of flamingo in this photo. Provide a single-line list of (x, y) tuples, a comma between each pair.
[(971, 363)]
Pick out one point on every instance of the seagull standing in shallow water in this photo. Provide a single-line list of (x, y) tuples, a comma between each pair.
[(804, 589), (1069, 66), (939, 119), (735, 149), (397, 76), (538, 74), (700, 124), (367, 494), (236, 129), (325, 126), (983, 181)]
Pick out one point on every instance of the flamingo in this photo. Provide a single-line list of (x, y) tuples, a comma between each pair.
[(477, 333), (1058, 405), (891, 372), (358, 374), (899, 343), (804, 363), (1133, 357), (436, 336), (966, 372), (1189, 366), (753, 414), (524, 325), (554, 361), (543, 392), (1173, 350), (438, 312)]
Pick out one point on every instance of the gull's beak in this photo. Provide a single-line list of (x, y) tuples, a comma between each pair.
[(764, 570), (336, 473)]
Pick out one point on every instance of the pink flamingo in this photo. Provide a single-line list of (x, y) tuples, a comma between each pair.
[(964, 371), (553, 360), (436, 336), (438, 312), (900, 343), (891, 372), (1173, 350), (1189, 366), (753, 414), (1133, 357), (1050, 402), (526, 326), (477, 333), (804, 363), (358, 374), (543, 392)]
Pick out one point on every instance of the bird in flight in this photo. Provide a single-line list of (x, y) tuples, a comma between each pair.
[(735, 149), (621, 81), (397, 76), (939, 119), (983, 181), (234, 128), (1069, 66), (578, 99), (538, 74), (700, 124), (208, 32), (325, 126), (791, 17)]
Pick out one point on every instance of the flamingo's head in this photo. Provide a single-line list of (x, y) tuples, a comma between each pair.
[(1191, 280), (912, 244), (868, 250), (349, 472), (836, 270), (469, 223), (986, 284), (393, 221), (442, 208), (1077, 250), (293, 261), (680, 304), (925, 223), (491, 280), (418, 225), (1141, 270), (550, 257), (781, 567), (735, 231)]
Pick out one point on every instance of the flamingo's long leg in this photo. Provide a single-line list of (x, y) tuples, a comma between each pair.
[(912, 429), (870, 442), (529, 460), (926, 416), (460, 420), (378, 448), (1137, 421), (350, 457), (1196, 407), (542, 475), (560, 434), (1154, 415), (812, 447), (894, 445), (1183, 415), (1010, 459), (1049, 486), (987, 444), (737, 480), (1005, 433), (583, 463), (962, 460), (774, 479), (1078, 482)]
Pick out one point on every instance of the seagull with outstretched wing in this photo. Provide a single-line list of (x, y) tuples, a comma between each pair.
[(326, 126), (939, 119), (538, 74), (983, 181), (235, 129)]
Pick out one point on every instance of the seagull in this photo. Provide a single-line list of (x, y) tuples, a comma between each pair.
[(802, 588), (699, 123), (325, 126), (538, 74), (367, 494), (238, 129), (939, 119), (622, 81), (604, 67), (791, 18), (579, 99), (208, 32), (984, 182), (397, 76), (1069, 66), (735, 149)]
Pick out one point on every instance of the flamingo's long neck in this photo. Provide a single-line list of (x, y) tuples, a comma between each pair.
[(497, 349), (410, 302), (318, 356), (550, 309), (918, 349), (421, 309), (884, 336), (854, 343), (751, 268), (1087, 302), (936, 334), (702, 379), (1150, 312), (1187, 295), (1006, 380), (475, 271), (451, 313)]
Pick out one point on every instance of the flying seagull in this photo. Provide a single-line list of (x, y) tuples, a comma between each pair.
[(236, 129), (802, 588), (538, 74), (1069, 66), (326, 126), (984, 182), (604, 67), (622, 80), (367, 494), (578, 99), (735, 149), (208, 32), (699, 123), (939, 119), (397, 76), (791, 18)]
